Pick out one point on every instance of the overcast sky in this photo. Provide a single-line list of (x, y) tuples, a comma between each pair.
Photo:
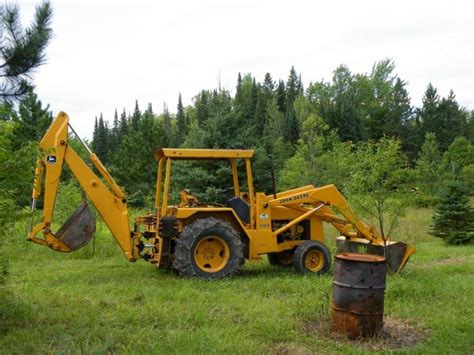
[(104, 55)]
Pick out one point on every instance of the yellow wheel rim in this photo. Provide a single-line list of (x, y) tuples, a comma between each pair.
[(211, 254), (314, 260)]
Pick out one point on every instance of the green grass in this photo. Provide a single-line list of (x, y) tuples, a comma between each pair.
[(66, 303)]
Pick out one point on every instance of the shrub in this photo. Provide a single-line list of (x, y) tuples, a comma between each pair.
[(453, 220)]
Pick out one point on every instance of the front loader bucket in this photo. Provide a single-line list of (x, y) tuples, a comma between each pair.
[(79, 229), (396, 253)]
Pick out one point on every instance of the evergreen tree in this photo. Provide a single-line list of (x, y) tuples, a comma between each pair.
[(32, 121), (412, 138), (114, 138), (101, 146), (398, 110), (238, 90), (292, 126), (123, 125), (292, 88), (7, 111), (265, 96), (136, 116), (170, 140), (95, 134), (430, 120), (22, 51), (341, 110), (453, 120), (281, 96), (268, 86), (453, 220), (260, 118), (137, 175), (245, 102), (300, 86), (180, 121), (149, 109), (201, 102), (275, 120)]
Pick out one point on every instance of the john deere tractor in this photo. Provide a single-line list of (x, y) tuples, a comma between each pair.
[(194, 238)]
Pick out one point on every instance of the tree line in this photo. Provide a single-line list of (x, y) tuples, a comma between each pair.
[(307, 134)]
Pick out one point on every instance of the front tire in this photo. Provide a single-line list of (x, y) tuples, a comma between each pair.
[(208, 248), (312, 257)]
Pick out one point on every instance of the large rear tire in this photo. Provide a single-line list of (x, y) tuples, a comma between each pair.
[(208, 248), (312, 257)]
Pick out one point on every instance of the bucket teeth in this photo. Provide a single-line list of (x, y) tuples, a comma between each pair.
[(79, 229)]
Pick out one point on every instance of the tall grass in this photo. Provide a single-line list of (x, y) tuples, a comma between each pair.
[(61, 303)]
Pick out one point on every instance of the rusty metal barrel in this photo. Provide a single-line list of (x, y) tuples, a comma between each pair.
[(358, 294)]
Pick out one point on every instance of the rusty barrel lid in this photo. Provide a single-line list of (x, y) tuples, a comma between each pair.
[(363, 258)]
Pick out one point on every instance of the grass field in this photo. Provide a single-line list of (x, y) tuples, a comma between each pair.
[(76, 303)]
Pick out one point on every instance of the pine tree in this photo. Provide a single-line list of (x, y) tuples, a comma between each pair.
[(257, 119), (136, 116), (149, 109), (123, 125), (95, 134), (268, 86), (114, 138), (281, 96), (260, 118), (453, 120), (339, 107), (32, 121), (398, 110), (292, 127), (170, 140), (300, 86), (22, 50), (101, 146), (264, 99), (238, 90), (180, 121), (429, 117), (443, 117), (201, 102), (453, 220), (412, 139), (292, 88)]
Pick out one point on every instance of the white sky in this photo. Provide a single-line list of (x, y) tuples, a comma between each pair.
[(104, 55)]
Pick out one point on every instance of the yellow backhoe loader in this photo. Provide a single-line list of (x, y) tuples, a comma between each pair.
[(196, 239)]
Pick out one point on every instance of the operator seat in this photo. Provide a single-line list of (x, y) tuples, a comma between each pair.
[(241, 208)]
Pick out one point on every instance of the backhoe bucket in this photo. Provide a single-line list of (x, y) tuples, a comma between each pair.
[(79, 229), (396, 253)]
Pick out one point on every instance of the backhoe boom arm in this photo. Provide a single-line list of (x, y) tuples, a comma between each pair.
[(109, 202)]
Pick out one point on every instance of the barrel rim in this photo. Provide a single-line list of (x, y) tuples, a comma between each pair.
[(364, 258)]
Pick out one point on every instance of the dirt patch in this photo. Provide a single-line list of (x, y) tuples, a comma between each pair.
[(396, 334)]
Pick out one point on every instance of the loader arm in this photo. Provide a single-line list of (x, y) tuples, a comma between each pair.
[(351, 227), (109, 201)]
